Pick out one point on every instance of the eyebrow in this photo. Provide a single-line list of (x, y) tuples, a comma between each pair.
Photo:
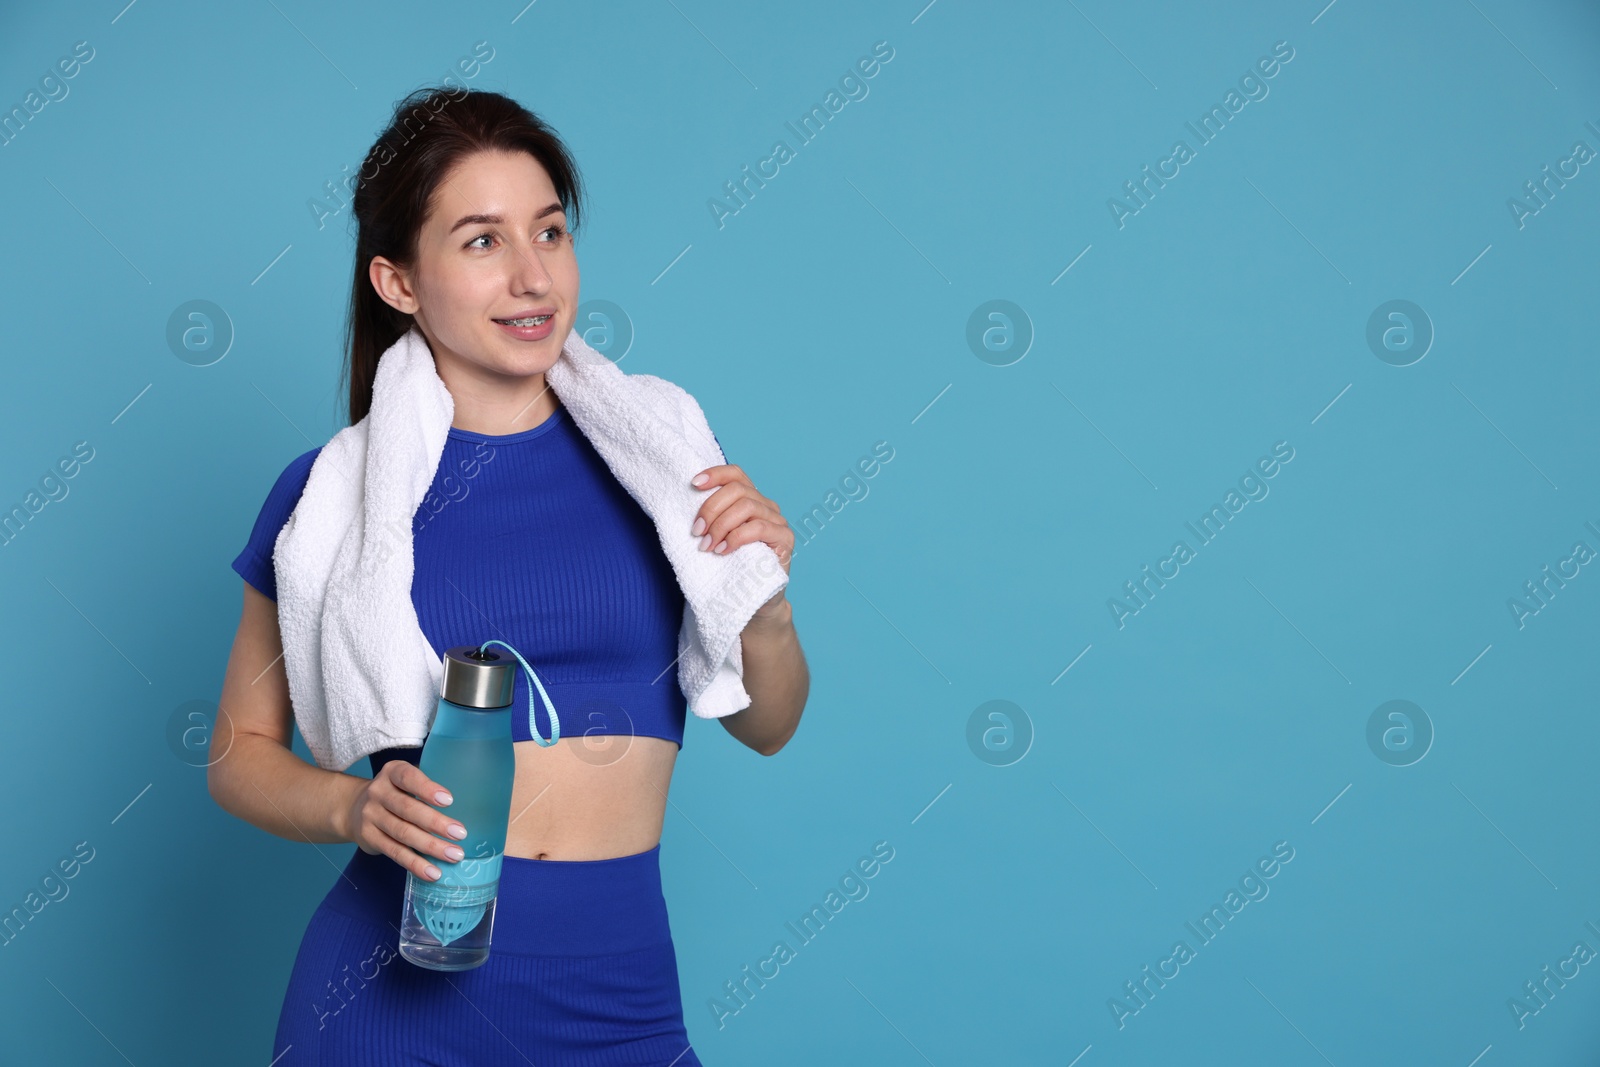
[(495, 220)]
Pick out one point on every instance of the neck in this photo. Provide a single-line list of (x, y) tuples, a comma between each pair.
[(494, 410)]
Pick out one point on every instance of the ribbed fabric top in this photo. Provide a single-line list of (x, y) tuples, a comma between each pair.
[(529, 538)]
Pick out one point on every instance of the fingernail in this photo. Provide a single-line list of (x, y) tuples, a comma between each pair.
[(441, 797), (701, 479), (433, 872), (454, 853), (699, 526), (721, 546), (704, 541), (457, 831)]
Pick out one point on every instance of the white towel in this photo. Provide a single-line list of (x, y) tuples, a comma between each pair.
[(362, 676)]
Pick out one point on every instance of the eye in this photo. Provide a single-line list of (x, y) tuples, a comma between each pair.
[(557, 230)]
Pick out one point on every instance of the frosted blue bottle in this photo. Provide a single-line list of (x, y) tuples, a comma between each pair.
[(447, 924)]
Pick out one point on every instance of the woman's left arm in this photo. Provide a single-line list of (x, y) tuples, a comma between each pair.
[(775, 672)]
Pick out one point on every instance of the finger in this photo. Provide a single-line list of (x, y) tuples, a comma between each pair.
[(729, 507), (776, 535), (418, 839), (407, 777), (418, 784), (719, 514), (406, 807), (730, 519), (721, 474), (409, 859)]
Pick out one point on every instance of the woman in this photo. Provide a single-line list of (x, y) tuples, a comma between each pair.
[(465, 207)]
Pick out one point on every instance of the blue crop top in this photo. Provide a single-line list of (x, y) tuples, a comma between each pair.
[(529, 538)]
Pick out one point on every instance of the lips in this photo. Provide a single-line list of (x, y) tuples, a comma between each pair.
[(527, 329), (530, 313)]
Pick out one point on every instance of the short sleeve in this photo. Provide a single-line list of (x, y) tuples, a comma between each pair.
[(254, 563)]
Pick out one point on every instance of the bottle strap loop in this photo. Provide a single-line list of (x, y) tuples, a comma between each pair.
[(533, 726)]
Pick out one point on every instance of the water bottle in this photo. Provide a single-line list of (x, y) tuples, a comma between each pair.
[(447, 924)]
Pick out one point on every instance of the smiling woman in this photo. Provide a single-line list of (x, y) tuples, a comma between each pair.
[(467, 236)]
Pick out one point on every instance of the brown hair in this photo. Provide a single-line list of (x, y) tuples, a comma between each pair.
[(431, 131)]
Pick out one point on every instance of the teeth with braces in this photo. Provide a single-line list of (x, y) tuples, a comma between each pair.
[(534, 321)]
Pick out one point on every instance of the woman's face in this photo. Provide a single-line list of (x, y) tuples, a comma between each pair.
[(495, 246)]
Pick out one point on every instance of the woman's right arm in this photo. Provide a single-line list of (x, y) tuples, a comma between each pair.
[(255, 774)]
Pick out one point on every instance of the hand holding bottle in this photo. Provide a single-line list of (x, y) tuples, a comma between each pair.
[(387, 817)]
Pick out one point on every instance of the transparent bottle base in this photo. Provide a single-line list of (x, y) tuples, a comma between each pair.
[(445, 927)]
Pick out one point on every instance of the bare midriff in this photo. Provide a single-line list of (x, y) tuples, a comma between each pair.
[(589, 798)]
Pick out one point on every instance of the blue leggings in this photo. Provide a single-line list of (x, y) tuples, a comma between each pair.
[(593, 990)]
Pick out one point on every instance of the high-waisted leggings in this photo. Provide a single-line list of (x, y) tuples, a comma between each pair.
[(581, 973)]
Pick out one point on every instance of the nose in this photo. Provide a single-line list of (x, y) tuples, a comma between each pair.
[(528, 271)]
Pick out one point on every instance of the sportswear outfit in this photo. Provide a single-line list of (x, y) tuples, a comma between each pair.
[(528, 538)]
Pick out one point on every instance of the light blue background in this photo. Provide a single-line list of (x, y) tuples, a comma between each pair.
[(1229, 314)]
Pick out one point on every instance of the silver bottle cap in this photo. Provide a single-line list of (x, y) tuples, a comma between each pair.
[(475, 679)]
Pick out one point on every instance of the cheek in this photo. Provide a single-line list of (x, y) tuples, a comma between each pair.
[(468, 294), (453, 294)]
